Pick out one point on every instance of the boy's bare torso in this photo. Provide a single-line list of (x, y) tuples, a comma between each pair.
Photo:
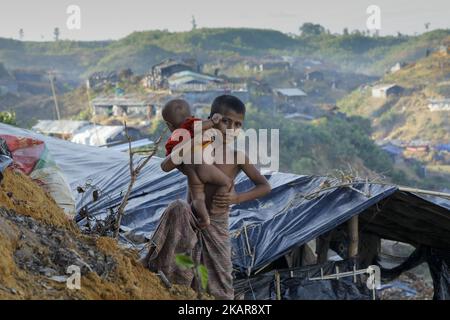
[(231, 170)]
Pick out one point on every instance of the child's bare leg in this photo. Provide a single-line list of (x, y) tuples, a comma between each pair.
[(197, 191), (209, 173)]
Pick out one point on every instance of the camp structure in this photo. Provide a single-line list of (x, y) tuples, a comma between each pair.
[(386, 90), (273, 238), (129, 106)]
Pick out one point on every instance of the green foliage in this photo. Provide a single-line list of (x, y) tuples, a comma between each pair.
[(84, 115), (203, 274), (309, 29), (8, 117), (3, 72), (303, 165), (389, 119), (158, 128), (323, 145), (139, 50), (443, 90), (184, 261)]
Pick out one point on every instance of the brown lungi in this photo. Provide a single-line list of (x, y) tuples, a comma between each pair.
[(178, 233)]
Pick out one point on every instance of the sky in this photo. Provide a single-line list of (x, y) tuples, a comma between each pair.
[(112, 19)]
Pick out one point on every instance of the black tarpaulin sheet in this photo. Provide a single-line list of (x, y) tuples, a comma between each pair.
[(262, 230), (438, 262), (296, 284), (410, 218)]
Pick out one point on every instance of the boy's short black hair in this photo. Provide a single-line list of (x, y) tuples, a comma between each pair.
[(227, 101)]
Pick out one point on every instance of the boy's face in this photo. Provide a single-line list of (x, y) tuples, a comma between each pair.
[(231, 120)]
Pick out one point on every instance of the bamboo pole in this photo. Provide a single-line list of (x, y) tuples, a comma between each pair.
[(278, 284), (354, 237), (322, 246), (54, 95), (91, 106), (422, 191)]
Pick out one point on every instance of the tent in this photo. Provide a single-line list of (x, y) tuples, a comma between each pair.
[(297, 210)]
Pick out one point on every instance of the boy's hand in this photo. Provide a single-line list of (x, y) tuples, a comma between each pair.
[(216, 117), (224, 200)]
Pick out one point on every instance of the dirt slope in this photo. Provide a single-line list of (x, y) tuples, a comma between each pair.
[(38, 243)]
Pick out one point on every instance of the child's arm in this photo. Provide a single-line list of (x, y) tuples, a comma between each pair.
[(261, 188), (167, 164)]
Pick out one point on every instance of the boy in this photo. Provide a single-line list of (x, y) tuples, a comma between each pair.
[(176, 232), (177, 115)]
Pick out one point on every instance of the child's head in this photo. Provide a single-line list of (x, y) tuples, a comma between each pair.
[(232, 110), (175, 113)]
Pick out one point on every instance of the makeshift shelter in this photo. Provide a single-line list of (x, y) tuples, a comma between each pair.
[(120, 105), (298, 210)]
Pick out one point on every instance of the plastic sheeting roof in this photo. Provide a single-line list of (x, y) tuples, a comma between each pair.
[(96, 135), (291, 92), (60, 126), (264, 229), (120, 101), (186, 76)]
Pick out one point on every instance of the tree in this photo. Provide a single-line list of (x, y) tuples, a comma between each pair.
[(125, 74), (56, 34), (21, 34), (311, 29), (8, 117), (194, 23), (427, 25), (345, 32)]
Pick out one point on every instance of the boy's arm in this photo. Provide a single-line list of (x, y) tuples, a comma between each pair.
[(167, 164), (209, 123), (261, 188)]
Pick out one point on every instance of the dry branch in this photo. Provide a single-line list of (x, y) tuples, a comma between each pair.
[(134, 172)]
